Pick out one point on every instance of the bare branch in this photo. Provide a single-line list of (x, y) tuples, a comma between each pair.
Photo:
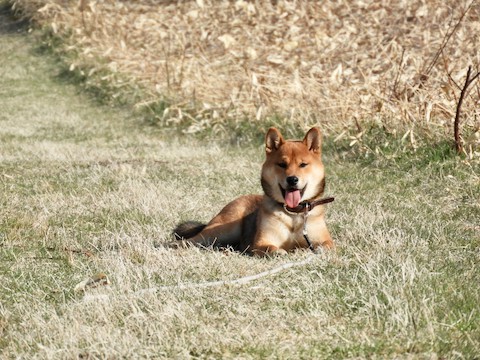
[(445, 41), (456, 124), (449, 73), (397, 77)]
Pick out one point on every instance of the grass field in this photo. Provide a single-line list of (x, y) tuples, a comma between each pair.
[(88, 189)]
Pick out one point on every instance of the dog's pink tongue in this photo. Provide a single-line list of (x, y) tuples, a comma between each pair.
[(292, 198)]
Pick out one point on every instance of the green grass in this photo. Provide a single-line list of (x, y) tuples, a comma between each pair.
[(87, 189)]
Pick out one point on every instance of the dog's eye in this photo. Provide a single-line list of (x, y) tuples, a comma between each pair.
[(302, 165), (282, 165)]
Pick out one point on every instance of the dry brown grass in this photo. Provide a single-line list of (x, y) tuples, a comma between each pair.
[(85, 190), (342, 63)]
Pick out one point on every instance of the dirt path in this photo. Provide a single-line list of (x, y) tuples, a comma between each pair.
[(42, 116)]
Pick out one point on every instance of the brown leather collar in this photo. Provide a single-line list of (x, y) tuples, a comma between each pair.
[(306, 206)]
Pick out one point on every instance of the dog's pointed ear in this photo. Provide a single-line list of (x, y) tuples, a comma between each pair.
[(313, 140), (273, 140)]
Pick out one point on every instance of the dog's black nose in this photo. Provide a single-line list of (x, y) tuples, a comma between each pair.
[(292, 180)]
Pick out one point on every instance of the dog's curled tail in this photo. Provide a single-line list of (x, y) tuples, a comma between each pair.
[(188, 230)]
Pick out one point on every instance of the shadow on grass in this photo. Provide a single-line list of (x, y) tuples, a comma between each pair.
[(9, 24)]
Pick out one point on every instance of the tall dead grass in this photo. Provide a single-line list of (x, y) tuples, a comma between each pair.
[(342, 63)]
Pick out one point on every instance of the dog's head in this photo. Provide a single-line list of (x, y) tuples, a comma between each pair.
[(293, 170)]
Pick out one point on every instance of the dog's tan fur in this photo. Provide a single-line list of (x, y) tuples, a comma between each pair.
[(259, 223)]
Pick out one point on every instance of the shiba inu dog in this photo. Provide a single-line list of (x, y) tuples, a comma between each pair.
[(288, 216)]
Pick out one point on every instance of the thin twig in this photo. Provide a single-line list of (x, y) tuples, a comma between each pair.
[(445, 41), (397, 77), (449, 73), (167, 57), (456, 124)]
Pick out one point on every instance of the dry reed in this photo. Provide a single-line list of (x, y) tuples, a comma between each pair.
[(342, 64)]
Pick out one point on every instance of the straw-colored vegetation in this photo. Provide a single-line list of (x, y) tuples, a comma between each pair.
[(86, 189), (346, 64)]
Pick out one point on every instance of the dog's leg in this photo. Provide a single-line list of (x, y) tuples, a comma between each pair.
[(268, 243), (320, 236), (218, 233), (232, 226)]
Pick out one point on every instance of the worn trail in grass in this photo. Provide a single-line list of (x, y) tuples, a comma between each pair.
[(87, 189)]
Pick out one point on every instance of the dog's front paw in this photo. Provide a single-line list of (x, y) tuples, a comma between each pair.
[(278, 252), (318, 250), (269, 252), (324, 248)]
